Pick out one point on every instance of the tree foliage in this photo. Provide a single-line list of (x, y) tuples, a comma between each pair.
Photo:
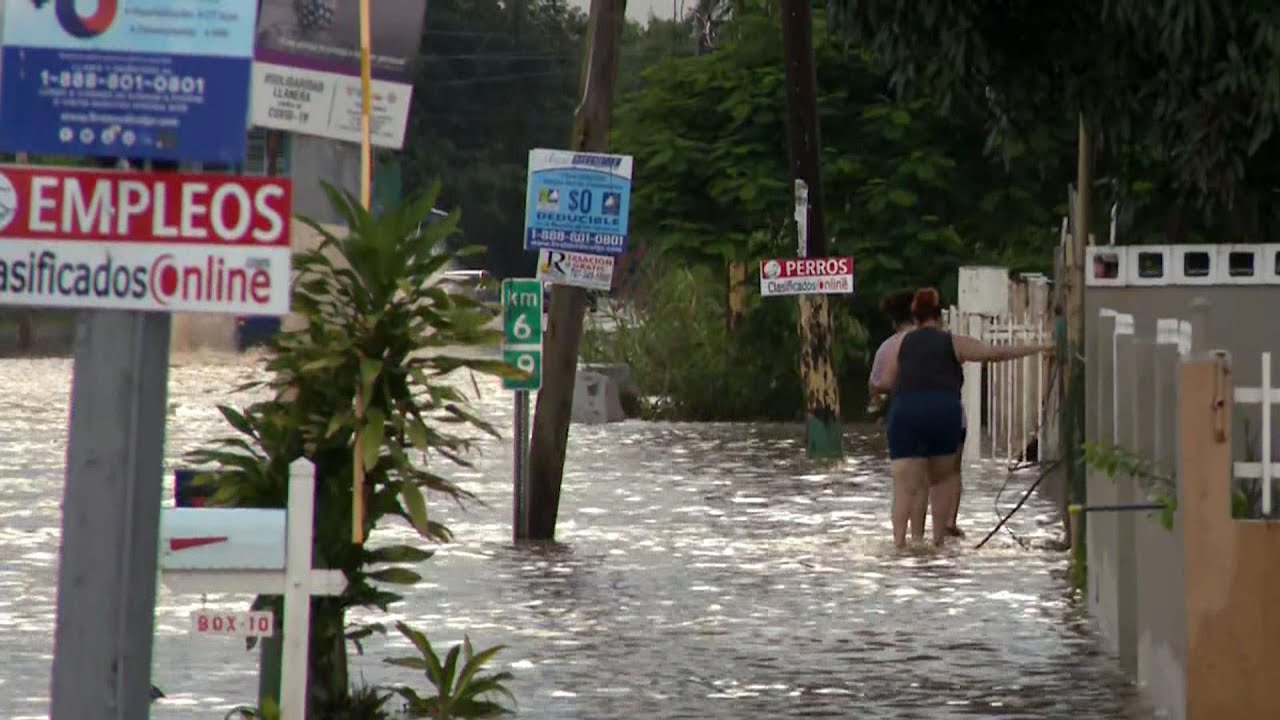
[(907, 189), (492, 81), (1182, 96)]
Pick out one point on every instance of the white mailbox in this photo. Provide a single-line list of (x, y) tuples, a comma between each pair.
[(222, 539), (262, 552)]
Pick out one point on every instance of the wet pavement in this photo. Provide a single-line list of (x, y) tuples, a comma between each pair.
[(703, 571)]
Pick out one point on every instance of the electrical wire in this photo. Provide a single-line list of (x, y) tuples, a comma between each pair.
[(1025, 496), (1054, 377)]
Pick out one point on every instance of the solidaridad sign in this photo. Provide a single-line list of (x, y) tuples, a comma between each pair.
[(807, 276), (577, 202)]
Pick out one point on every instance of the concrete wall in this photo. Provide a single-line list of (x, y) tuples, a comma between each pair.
[(1197, 653), (1133, 560)]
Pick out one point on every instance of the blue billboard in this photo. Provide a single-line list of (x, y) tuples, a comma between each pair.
[(152, 79), (579, 202)]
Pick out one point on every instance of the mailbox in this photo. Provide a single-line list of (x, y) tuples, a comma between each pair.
[(222, 539)]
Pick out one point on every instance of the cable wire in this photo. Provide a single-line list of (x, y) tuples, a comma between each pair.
[(1054, 377)]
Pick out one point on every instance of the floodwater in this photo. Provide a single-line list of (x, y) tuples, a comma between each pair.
[(703, 571)]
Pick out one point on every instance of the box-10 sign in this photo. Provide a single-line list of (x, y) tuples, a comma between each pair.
[(237, 624)]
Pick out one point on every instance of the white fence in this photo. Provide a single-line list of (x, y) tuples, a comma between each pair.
[(1265, 469), (1008, 405)]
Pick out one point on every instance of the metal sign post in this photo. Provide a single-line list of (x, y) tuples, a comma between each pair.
[(522, 349), (802, 219)]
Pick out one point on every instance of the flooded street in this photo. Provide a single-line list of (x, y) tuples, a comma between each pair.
[(704, 571)]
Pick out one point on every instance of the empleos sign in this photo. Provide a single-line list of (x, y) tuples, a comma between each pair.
[(807, 276), (164, 242)]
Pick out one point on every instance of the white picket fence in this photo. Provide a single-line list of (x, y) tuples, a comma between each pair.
[(1265, 469), (1007, 404)]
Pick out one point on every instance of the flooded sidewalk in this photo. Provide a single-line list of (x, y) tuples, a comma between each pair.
[(702, 571)]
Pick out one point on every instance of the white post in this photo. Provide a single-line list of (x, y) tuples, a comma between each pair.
[(992, 371), (1266, 434), (802, 218), (1006, 369), (297, 591), (973, 398), (1124, 326)]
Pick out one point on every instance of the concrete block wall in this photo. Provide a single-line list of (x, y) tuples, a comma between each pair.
[(1151, 311)]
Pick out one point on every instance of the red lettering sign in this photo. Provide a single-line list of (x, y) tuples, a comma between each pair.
[(46, 203), (783, 269)]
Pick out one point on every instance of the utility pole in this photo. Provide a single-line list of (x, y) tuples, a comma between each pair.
[(1072, 420), (822, 395), (554, 410), (111, 515)]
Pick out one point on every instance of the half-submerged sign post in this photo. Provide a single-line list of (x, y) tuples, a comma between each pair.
[(522, 349), (577, 207)]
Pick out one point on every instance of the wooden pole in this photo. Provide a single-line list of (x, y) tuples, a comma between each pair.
[(366, 105), (554, 409), (1072, 430), (366, 192), (822, 394)]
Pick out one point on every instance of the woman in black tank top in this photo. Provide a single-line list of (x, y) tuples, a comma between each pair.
[(926, 419)]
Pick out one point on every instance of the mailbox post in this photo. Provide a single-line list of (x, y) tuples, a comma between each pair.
[(261, 552)]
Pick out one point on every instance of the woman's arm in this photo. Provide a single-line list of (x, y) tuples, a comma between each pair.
[(973, 350), (888, 375)]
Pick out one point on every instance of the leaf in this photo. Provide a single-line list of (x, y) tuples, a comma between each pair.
[(369, 370), (415, 507), (418, 435), (372, 436), (237, 420), (398, 554), (413, 663), (395, 576)]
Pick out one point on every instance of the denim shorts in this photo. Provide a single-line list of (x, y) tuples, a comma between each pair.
[(925, 424)]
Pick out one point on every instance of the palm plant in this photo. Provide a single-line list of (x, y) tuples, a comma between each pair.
[(360, 386), (460, 692)]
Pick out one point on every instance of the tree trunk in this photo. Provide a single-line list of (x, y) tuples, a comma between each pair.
[(328, 682), (549, 439), (737, 306), (26, 331)]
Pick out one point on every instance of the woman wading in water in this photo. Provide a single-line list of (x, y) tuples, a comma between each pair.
[(926, 420)]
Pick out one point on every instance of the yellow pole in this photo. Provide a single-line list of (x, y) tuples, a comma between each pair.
[(366, 189), (366, 105)]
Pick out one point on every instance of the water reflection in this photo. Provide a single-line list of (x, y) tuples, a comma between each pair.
[(702, 571)]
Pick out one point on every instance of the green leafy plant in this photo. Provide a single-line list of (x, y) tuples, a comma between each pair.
[(366, 379), (1116, 462), (362, 703), (460, 690)]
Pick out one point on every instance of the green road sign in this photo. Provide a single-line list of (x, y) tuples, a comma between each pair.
[(522, 331)]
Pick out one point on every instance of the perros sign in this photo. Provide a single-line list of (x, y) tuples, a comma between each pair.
[(807, 276), (593, 272), (164, 242)]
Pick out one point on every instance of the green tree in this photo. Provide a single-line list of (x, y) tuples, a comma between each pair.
[(713, 183), (364, 381), (1183, 97), (909, 193), (493, 80)]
